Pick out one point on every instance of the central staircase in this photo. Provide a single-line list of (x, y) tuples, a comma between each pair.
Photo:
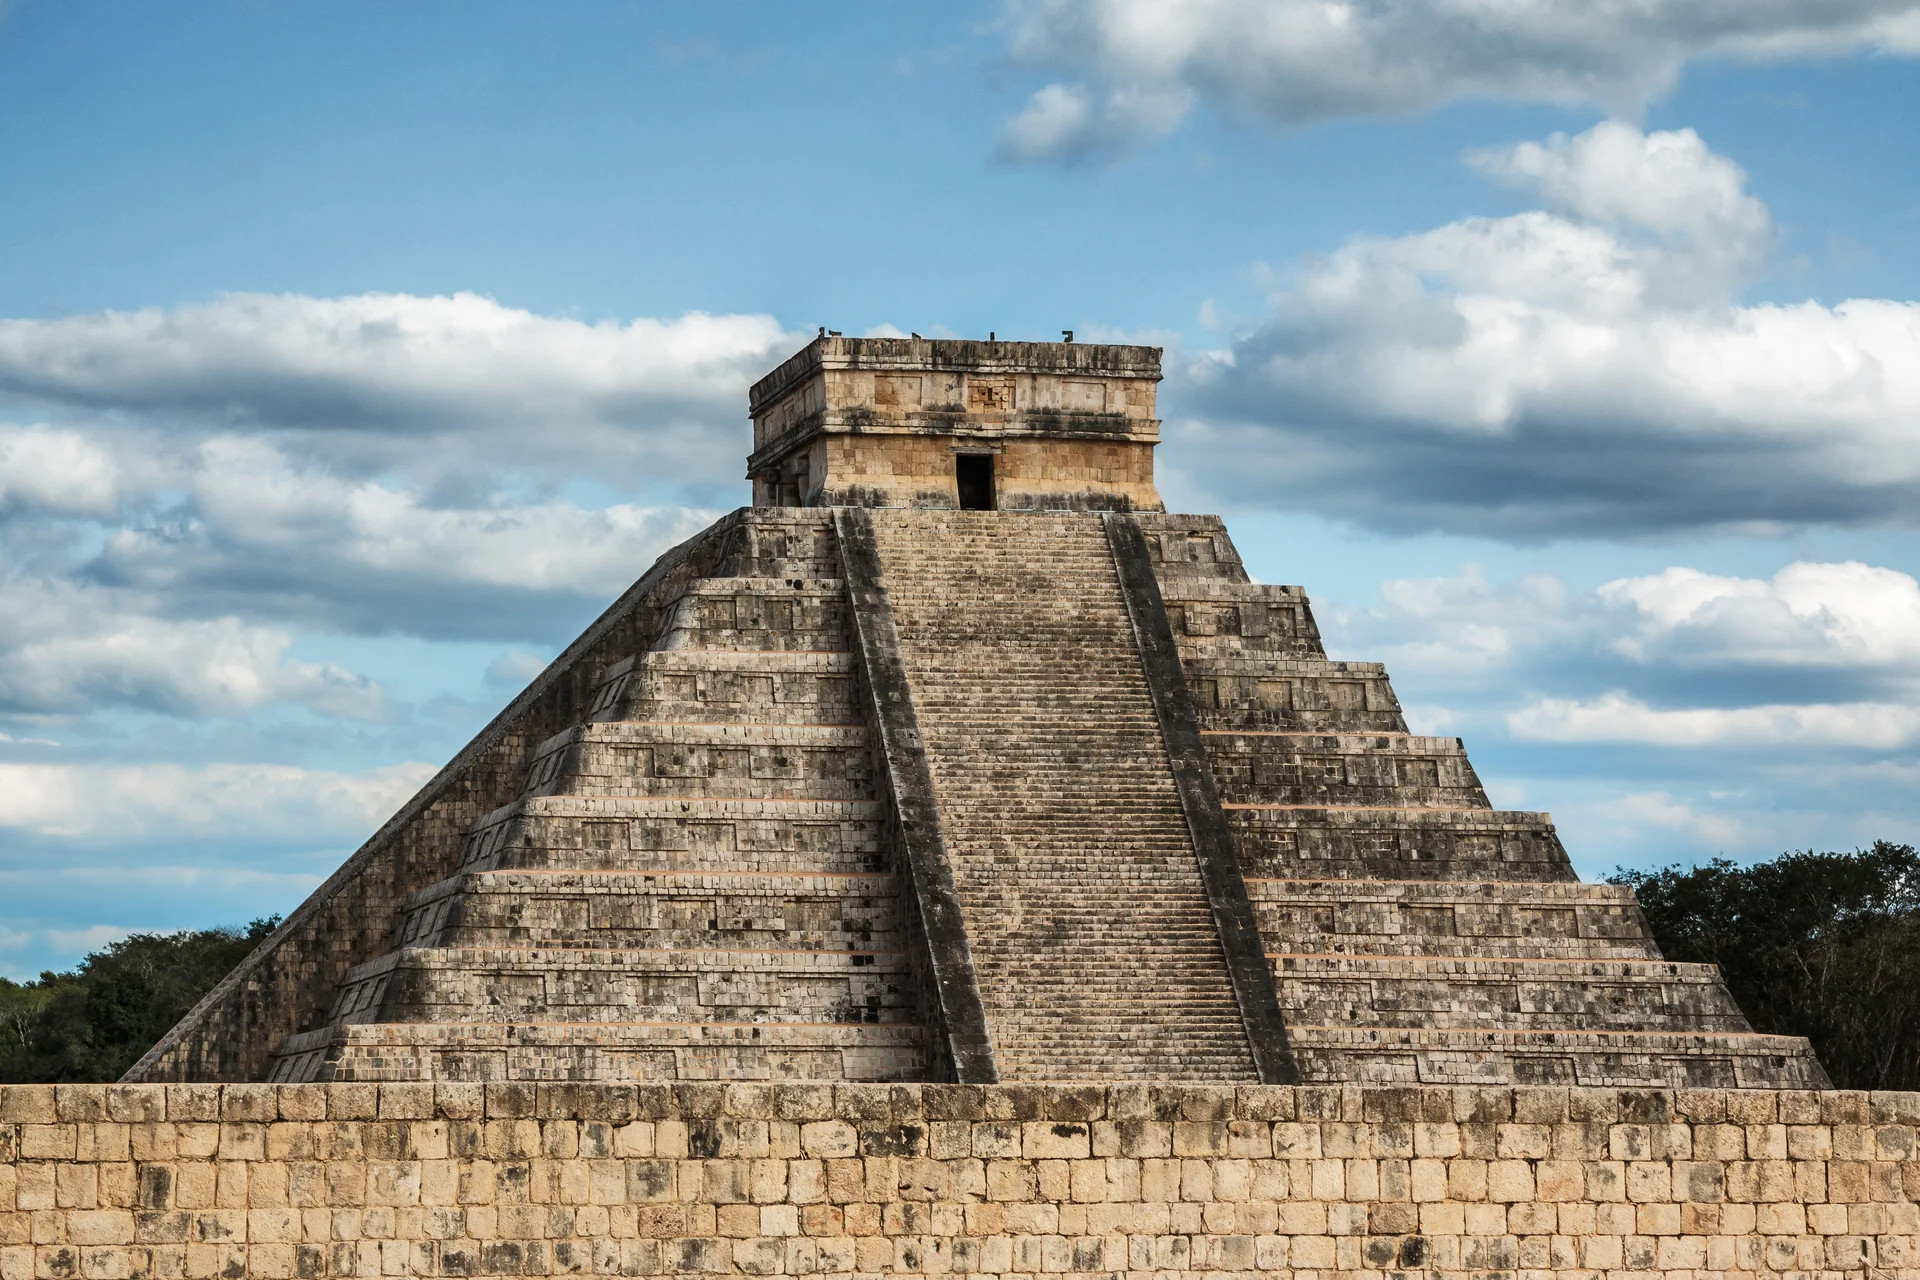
[(1096, 949)]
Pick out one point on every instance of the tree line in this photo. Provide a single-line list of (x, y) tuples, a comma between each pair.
[(1822, 945), (96, 1020)]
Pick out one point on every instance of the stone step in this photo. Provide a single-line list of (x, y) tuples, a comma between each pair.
[(819, 762), (728, 686), (1452, 917), (1302, 694), (1216, 618), (456, 984), (1416, 1055), (1318, 843), (1343, 770), (1086, 917), (757, 614), (548, 1051), (1502, 992), (622, 909), (626, 833)]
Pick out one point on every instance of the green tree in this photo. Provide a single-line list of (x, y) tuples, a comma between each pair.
[(94, 1022), (1821, 945)]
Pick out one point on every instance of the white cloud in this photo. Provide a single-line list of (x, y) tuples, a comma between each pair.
[(441, 466), (1296, 61), (1466, 624), (104, 802), (1809, 614), (57, 471), (249, 494), (67, 647), (267, 536), (1582, 371), (383, 360), (1814, 618), (1659, 809), (1068, 122), (1617, 717)]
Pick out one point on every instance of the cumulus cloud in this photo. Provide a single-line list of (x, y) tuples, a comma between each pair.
[(68, 647), (266, 535), (1808, 614), (104, 802), (1298, 61), (56, 471), (385, 361), (1821, 656), (437, 466), (1814, 616), (1582, 369), (1617, 717), (1070, 122), (1659, 809)]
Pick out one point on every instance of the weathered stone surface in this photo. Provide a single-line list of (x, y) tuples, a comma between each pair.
[(1019, 795), (878, 422), (1146, 1180)]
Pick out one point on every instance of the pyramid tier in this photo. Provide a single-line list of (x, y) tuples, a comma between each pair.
[(604, 1051), (754, 614), (1189, 549), (1606, 1059), (723, 686), (628, 833), (679, 910), (1396, 843), (1212, 618), (724, 761), (1446, 992), (1302, 694), (551, 984), (1343, 770), (1567, 920)]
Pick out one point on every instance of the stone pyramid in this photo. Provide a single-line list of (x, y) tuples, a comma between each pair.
[(954, 757)]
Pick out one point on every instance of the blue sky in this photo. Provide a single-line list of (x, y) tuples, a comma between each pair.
[(353, 355)]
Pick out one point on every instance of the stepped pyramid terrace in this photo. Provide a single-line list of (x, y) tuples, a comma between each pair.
[(956, 757)]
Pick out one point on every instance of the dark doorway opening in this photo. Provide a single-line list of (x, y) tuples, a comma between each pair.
[(973, 472)]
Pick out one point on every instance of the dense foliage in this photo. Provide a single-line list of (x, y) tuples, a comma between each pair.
[(94, 1022), (1822, 945)]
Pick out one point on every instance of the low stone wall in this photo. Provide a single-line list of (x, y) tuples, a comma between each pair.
[(317, 1180)]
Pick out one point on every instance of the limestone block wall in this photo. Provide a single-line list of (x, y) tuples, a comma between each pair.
[(1030, 474), (797, 1179)]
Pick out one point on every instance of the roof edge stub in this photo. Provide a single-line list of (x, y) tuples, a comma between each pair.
[(957, 354)]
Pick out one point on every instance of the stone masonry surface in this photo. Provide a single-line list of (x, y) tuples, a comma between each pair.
[(1310, 1183), (957, 821), (877, 422), (1097, 951), (691, 884), (676, 856), (1417, 935)]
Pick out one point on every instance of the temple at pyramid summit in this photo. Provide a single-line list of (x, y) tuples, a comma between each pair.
[(955, 757)]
